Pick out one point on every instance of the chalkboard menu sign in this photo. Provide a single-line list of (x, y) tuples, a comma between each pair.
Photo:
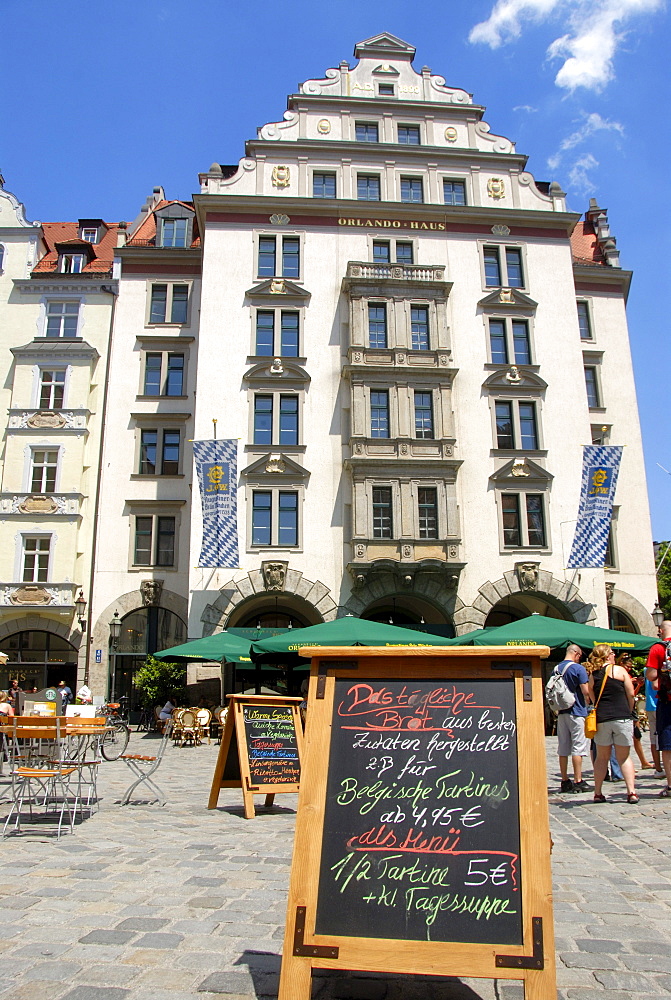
[(260, 749), (422, 838)]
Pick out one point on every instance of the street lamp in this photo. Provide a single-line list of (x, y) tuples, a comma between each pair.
[(657, 615), (80, 610), (115, 632)]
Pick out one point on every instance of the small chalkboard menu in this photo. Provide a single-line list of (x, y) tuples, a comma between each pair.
[(260, 749), (422, 839)]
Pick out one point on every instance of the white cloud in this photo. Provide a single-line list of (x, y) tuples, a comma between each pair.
[(577, 175), (590, 123), (588, 48), (525, 107)]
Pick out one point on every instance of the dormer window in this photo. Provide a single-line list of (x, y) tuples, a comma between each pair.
[(174, 226), (91, 230), (72, 263), (90, 235), (173, 232)]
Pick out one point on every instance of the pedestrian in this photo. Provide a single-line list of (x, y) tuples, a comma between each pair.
[(571, 740), (651, 712), (66, 695), (625, 660), (168, 708), (657, 673), (5, 707), (13, 692), (612, 691)]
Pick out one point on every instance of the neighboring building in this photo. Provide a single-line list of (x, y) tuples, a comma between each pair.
[(411, 338), (56, 307)]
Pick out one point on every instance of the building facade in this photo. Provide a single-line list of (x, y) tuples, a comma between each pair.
[(411, 340)]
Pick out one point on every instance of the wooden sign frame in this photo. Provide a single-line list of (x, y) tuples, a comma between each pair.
[(233, 741), (533, 962)]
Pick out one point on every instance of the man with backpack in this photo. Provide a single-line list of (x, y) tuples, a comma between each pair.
[(658, 672), (571, 739)]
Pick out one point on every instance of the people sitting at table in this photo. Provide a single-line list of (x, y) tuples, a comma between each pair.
[(5, 706), (168, 708)]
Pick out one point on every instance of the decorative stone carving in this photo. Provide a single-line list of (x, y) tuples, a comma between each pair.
[(276, 367), (501, 230), (404, 449), (407, 551), (453, 552), (520, 468), (356, 357), (451, 133), (275, 464), (151, 592), (527, 575), (513, 375), (358, 448), (274, 574), (38, 505), (397, 272), (448, 450), (279, 220), (31, 594), (46, 418), (506, 296), (443, 360), (610, 590), (360, 551), (324, 126), (277, 286), (407, 580), (281, 176), (401, 359), (496, 188)]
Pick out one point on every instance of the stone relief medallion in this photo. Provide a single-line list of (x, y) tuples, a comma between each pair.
[(610, 592), (401, 359), (38, 505), (506, 295), (404, 449), (520, 468), (451, 133), (275, 464), (527, 575), (513, 375), (443, 360), (496, 188), (277, 368), (407, 551), (448, 450), (453, 552), (151, 592), (274, 574), (324, 126), (356, 357), (360, 551), (397, 272), (30, 595), (277, 287), (501, 230), (46, 418), (280, 220), (281, 176)]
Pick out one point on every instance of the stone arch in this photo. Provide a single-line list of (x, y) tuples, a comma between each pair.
[(313, 593), (436, 589), (633, 608), (32, 622), (537, 582)]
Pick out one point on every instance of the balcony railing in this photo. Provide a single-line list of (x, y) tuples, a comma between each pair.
[(395, 272)]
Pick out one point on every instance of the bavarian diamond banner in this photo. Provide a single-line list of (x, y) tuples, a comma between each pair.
[(600, 466), (216, 468)]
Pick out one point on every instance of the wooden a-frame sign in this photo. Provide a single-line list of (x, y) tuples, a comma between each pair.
[(422, 836), (260, 750)]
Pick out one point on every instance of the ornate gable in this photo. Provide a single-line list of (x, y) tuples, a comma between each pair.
[(275, 467), (384, 45), (516, 380), (277, 370), (520, 473), (278, 291), (508, 300)]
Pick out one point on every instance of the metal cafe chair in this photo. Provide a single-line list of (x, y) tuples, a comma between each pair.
[(143, 767)]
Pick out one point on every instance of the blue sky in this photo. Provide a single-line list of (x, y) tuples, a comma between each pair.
[(103, 100)]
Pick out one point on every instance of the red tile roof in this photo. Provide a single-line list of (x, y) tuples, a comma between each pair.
[(584, 246), (145, 234), (65, 232)]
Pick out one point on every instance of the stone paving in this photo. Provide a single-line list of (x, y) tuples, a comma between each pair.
[(179, 903)]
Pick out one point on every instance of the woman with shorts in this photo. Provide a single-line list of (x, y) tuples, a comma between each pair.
[(615, 726)]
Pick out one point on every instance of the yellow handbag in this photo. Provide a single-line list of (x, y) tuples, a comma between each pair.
[(590, 718)]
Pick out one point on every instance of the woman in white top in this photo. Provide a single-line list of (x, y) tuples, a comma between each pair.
[(168, 708), (5, 707)]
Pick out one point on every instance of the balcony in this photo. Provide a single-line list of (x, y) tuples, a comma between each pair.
[(375, 271), (409, 562)]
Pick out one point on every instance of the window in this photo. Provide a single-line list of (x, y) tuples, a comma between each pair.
[(404, 253), (36, 552), (43, 468), (368, 187), (159, 452), (174, 232), (154, 541), (423, 415), (609, 558), (72, 263), (164, 374), (592, 386), (408, 135), (412, 189), (512, 276), (275, 507), (377, 325), (62, 319), (427, 511), (379, 413), (583, 321), (90, 235), (516, 423), (366, 132), (276, 420), (382, 519), (290, 257), (263, 419), (419, 328), (523, 520), (323, 185), (288, 420), (454, 192), (509, 339), (52, 389), (381, 252), (385, 89), (169, 303), (265, 334)]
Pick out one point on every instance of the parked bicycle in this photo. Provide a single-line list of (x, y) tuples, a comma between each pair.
[(115, 740)]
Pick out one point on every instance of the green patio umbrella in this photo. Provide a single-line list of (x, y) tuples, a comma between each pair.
[(553, 632), (347, 631), (220, 646)]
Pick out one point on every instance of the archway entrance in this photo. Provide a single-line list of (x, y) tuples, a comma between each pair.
[(620, 621), (409, 611), (142, 632), (517, 606), (39, 659)]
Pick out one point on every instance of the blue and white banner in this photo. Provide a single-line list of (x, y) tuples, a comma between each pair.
[(216, 468), (600, 466)]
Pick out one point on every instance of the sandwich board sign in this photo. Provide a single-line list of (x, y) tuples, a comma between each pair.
[(422, 835), (260, 750)]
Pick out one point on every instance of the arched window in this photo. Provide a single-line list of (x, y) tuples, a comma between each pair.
[(38, 659), (619, 620)]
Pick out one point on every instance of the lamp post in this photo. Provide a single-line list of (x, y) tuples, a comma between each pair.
[(657, 615), (115, 632), (80, 610)]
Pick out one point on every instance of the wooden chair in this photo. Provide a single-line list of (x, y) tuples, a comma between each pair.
[(204, 718), (176, 731), (190, 730), (143, 767)]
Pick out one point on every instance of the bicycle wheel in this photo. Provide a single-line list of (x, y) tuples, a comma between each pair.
[(115, 741)]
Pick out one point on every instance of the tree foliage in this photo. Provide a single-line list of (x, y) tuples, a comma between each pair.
[(664, 578), (158, 679)]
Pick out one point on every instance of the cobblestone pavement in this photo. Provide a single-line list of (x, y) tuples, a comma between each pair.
[(179, 903)]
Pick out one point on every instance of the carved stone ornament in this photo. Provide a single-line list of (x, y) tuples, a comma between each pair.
[(451, 133), (448, 450), (38, 505), (527, 575), (274, 574), (513, 375), (501, 230), (506, 295), (275, 464), (356, 357), (324, 126), (401, 359), (279, 220), (496, 188), (397, 272), (276, 367), (453, 552), (610, 590), (277, 286), (443, 360), (360, 551), (520, 468), (404, 449), (358, 447), (281, 176), (151, 592), (30, 595), (407, 551), (46, 418)]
